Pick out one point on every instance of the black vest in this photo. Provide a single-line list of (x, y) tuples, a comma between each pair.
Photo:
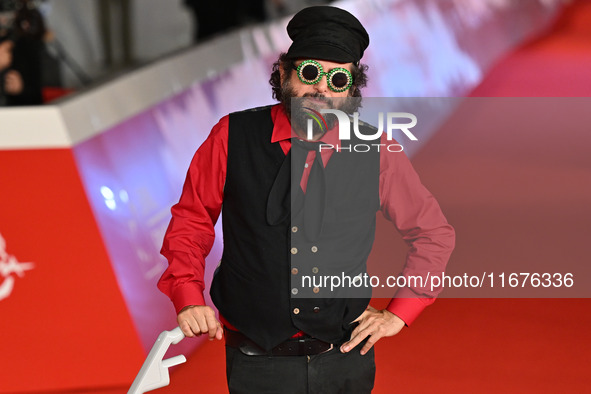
[(258, 285)]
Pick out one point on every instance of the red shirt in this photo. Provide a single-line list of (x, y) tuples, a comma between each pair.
[(404, 201)]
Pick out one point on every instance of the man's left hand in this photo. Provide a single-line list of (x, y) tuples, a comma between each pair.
[(375, 324)]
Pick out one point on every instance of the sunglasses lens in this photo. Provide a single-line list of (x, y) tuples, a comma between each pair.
[(310, 72), (340, 80)]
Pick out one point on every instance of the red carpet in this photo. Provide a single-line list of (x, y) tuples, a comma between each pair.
[(492, 345)]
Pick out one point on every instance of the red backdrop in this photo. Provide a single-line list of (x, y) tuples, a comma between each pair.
[(64, 323)]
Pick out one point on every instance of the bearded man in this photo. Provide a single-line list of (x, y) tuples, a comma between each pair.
[(290, 209)]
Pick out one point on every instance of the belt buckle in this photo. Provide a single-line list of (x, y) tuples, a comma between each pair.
[(251, 349)]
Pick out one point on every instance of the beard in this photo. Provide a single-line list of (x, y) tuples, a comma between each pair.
[(299, 111)]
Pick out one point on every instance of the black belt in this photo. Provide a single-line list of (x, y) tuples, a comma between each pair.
[(301, 346)]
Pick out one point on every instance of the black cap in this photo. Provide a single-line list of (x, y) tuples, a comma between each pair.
[(327, 33)]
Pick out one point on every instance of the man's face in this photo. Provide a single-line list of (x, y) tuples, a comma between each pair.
[(317, 96)]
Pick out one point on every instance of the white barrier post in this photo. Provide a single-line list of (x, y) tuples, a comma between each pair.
[(154, 371)]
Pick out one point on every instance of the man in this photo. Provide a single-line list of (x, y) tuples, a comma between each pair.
[(23, 82), (263, 181), (11, 82)]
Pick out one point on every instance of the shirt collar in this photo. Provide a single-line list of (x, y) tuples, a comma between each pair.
[(281, 124)]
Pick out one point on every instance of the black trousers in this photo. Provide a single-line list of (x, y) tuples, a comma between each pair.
[(327, 373)]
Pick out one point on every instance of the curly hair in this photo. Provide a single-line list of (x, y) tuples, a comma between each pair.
[(359, 73)]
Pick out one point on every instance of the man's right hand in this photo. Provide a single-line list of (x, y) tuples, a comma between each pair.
[(195, 320)]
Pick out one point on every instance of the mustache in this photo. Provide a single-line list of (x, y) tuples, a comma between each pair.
[(321, 97)]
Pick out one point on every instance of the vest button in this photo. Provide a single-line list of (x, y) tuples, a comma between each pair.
[(316, 309), (294, 291), (315, 290), (315, 270), (294, 250), (294, 271), (314, 249), (296, 311), (294, 229)]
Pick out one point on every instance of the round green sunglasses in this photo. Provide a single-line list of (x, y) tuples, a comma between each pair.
[(311, 72)]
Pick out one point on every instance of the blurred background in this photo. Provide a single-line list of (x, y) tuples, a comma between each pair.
[(104, 102), (77, 43)]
